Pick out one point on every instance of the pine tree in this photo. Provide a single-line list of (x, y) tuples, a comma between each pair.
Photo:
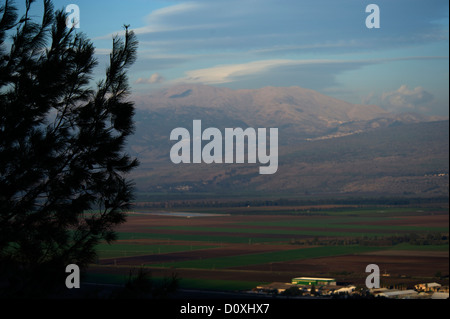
[(63, 185)]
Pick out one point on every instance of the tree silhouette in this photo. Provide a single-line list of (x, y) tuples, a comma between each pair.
[(63, 185)]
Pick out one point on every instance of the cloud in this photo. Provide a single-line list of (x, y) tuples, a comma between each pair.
[(227, 73), (406, 100), (235, 72), (172, 10), (316, 74), (154, 79), (266, 26), (257, 43)]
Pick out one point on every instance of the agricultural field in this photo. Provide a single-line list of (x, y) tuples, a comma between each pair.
[(230, 250)]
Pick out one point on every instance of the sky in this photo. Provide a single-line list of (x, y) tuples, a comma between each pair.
[(324, 45)]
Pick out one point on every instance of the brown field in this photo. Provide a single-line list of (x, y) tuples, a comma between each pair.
[(233, 234), (206, 274), (436, 220), (413, 266), (410, 253), (144, 223), (140, 221), (403, 266)]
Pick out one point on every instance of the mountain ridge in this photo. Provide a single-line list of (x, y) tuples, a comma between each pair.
[(311, 112), (356, 148)]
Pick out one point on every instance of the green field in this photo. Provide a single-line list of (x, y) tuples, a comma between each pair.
[(337, 227), (266, 231), (346, 223), (170, 238), (128, 250), (185, 283), (272, 257), (406, 246), (211, 284), (232, 251)]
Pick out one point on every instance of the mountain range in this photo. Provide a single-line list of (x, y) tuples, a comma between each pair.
[(326, 146)]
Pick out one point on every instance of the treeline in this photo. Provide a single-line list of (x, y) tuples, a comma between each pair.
[(235, 202), (412, 239)]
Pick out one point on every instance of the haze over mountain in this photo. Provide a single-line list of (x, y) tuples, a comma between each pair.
[(326, 145), (304, 112)]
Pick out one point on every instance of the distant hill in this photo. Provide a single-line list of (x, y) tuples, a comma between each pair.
[(301, 112), (326, 145)]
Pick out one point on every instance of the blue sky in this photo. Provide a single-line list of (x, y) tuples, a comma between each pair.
[(318, 44)]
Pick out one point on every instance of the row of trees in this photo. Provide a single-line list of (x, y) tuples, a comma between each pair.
[(202, 200), (418, 239)]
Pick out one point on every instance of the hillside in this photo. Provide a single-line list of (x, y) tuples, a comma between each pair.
[(299, 112), (327, 146)]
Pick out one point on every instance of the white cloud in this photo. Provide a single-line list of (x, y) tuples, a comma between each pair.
[(172, 10), (155, 78), (229, 73), (165, 19), (220, 74), (162, 20), (404, 99)]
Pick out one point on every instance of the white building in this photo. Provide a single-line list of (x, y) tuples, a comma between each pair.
[(345, 290), (440, 295), (280, 287), (399, 294)]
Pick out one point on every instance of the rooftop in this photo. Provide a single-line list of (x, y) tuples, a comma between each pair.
[(311, 278)]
